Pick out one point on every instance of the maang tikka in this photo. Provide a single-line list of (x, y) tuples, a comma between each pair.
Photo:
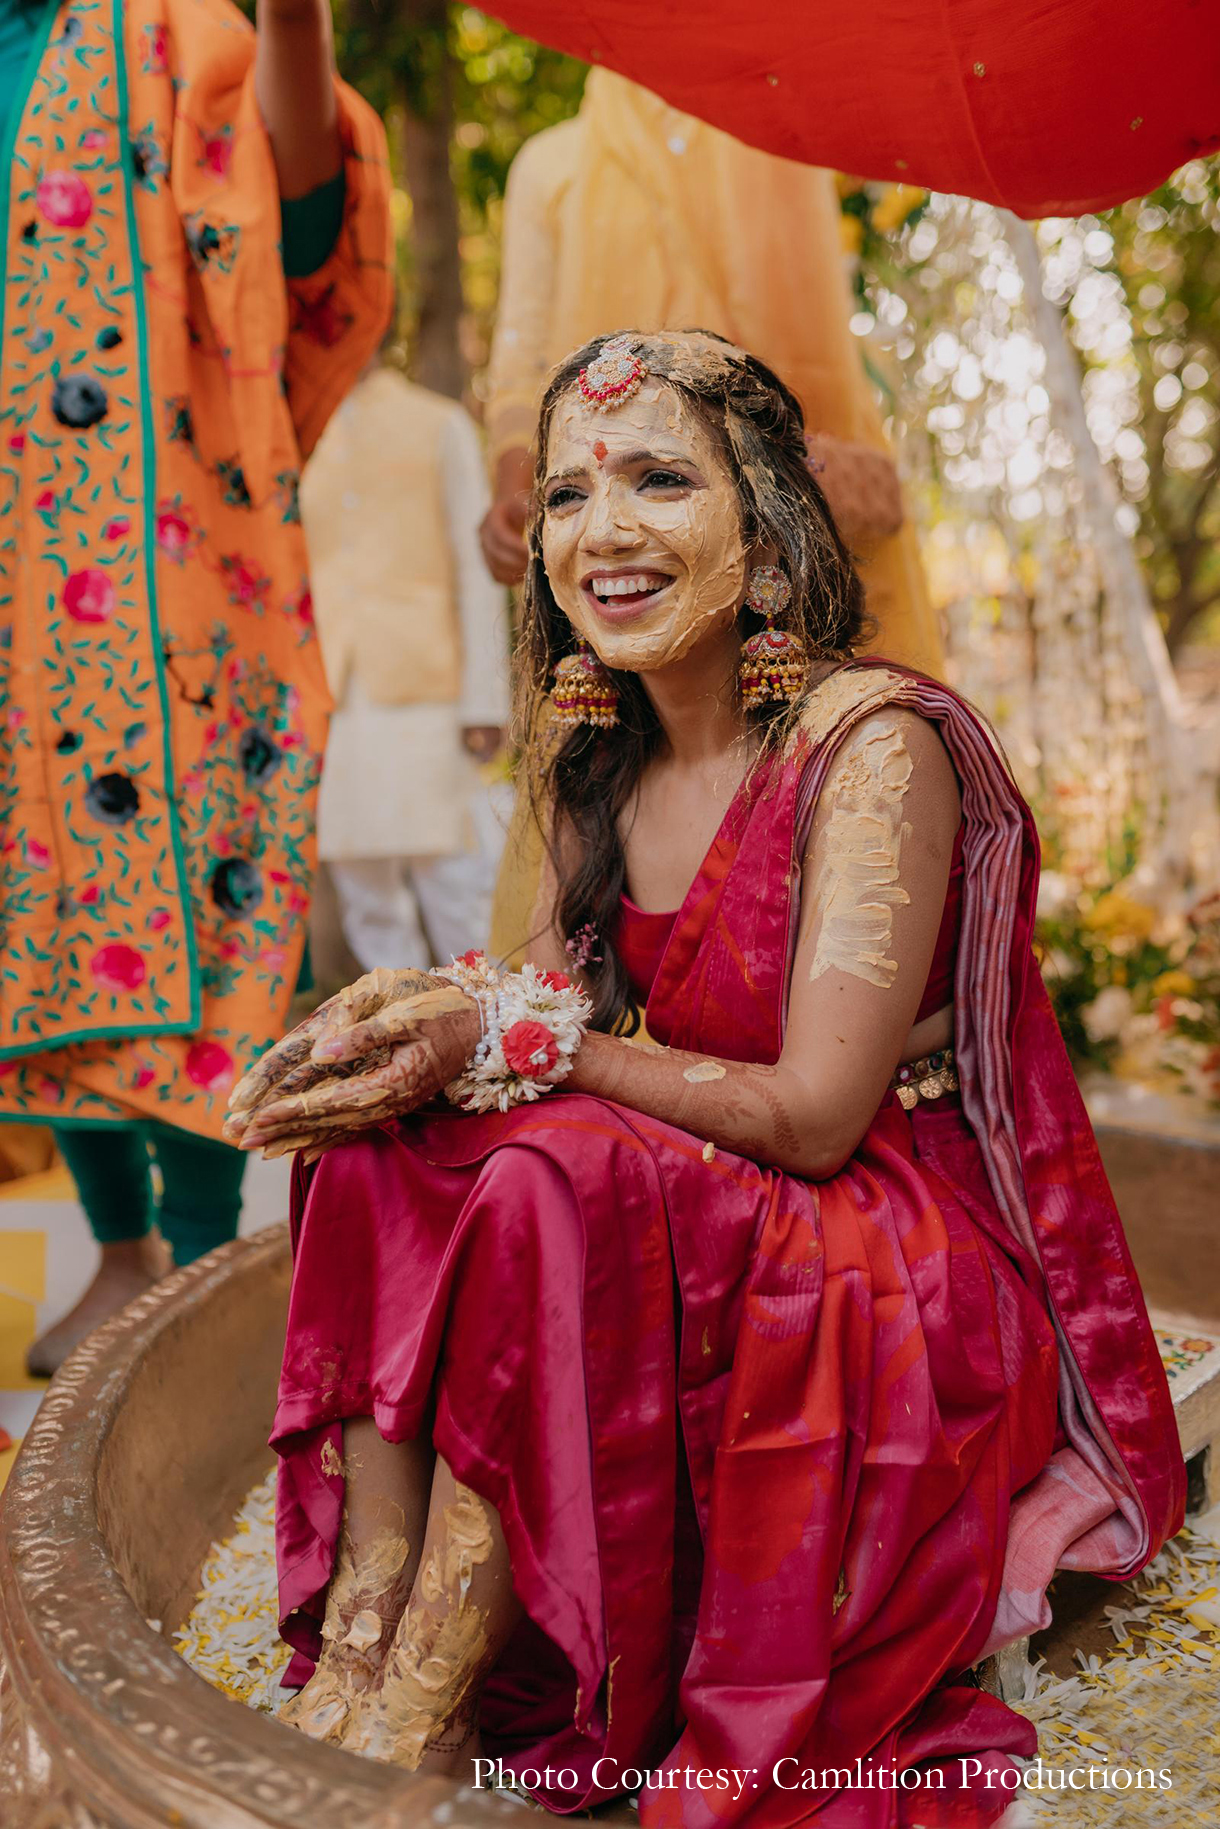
[(774, 665), (584, 692), (614, 376)]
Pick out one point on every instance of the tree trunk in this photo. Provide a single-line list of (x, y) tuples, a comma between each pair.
[(1183, 825), (1184, 615), (1186, 606), (427, 116)]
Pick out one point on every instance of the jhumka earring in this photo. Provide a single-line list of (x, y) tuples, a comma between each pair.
[(584, 692), (773, 662)]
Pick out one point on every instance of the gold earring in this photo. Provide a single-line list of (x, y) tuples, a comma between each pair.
[(584, 692), (774, 665)]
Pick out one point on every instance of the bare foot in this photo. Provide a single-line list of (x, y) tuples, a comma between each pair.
[(127, 1270), (367, 1597), (322, 1709)]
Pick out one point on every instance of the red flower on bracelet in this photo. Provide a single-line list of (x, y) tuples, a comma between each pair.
[(529, 1049)]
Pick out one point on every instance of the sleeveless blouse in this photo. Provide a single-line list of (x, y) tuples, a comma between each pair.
[(641, 939)]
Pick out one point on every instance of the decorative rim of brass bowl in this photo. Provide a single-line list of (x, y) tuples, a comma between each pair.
[(101, 1721)]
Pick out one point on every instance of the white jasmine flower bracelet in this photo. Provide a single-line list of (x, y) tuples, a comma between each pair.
[(533, 1023)]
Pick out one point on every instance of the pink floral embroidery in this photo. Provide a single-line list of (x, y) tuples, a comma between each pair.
[(93, 139), (118, 967), (47, 502), (64, 199), (50, 1091), (36, 854), (216, 151), (159, 919), (248, 586), (16, 443), (209, 1065), (300, 606), (144, 1077), (89, 896), (88, 595), (156, 50), (176, 531), (116, 528)]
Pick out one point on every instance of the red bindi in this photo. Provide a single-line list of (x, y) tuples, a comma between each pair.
[(599, 452)]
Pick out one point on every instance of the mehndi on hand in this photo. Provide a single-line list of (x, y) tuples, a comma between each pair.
[(382, 1047)]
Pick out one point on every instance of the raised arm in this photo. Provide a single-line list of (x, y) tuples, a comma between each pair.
[(294, 80), (874, 877)]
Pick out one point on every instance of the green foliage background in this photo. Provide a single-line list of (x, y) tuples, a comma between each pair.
[(497, 89)]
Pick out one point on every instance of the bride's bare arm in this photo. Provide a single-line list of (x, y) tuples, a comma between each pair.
[(873, 886)]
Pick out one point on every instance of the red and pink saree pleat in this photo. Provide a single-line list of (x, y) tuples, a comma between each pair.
[(776, 1461)]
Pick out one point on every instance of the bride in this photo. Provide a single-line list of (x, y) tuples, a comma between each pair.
[(706, 1342)]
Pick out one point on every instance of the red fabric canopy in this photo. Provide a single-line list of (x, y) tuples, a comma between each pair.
[(1049, 107)]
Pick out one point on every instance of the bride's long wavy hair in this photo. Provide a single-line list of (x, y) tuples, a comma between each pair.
[(581, 785)]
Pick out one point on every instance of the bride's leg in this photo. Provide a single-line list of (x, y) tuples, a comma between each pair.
[(460, 1616), (385, 1510)]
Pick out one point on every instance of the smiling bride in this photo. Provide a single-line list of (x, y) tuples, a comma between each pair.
[(706, 1342)]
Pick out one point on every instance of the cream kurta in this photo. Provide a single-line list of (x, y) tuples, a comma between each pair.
[(393, 608)]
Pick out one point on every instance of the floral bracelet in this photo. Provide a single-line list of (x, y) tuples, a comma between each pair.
[(532, 1021)]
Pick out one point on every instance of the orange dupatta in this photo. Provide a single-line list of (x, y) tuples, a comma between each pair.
[(160, 683)]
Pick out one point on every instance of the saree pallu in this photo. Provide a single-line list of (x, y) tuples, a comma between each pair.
[(777, 1462), (161, 693)]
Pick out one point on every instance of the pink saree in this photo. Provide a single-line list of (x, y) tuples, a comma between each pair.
[(777, 1462)]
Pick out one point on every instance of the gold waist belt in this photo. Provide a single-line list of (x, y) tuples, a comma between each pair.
[(928, 1078)]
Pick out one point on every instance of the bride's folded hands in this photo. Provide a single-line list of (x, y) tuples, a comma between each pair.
[(385, 1045)]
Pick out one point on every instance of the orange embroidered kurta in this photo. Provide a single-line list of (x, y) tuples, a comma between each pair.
[(161, 694)]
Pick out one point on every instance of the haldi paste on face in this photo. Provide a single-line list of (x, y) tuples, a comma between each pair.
[(692, 535)]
